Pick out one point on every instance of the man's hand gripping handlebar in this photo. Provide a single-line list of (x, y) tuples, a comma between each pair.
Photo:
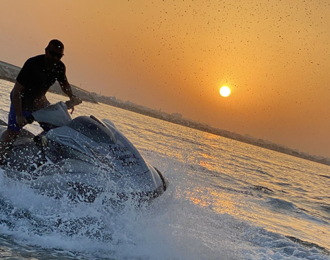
[(74, 101)]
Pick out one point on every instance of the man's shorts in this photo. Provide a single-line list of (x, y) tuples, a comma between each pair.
[(12, 124)]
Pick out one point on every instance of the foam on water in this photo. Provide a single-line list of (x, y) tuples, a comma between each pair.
[(170, 228), (157, 232)]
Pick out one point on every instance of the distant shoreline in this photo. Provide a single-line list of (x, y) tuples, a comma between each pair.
[(9, 72)]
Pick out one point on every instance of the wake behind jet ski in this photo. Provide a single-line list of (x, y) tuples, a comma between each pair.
[(82, 158)]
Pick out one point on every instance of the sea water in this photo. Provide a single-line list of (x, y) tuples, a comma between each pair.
[(226, 200)]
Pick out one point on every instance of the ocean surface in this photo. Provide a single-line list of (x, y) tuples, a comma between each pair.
[(226, 200)]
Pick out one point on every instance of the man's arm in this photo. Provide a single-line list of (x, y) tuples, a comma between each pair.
[(66, 88), (17, 103)]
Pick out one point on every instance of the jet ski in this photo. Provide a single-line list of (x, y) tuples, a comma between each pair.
[(83, 159)]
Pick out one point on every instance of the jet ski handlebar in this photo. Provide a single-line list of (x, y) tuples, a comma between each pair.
[(70, 104)]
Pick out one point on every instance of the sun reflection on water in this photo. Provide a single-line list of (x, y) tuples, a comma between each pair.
[(219, 201)]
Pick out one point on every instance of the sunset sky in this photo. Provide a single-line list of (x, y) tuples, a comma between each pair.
[(175, 55)]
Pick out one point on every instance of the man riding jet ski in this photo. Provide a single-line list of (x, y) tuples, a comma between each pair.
[(81, 158)]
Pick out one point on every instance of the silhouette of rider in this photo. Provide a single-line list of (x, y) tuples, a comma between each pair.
[(38, 74)]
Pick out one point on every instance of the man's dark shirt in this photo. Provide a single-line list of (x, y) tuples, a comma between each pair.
[(36, 79)]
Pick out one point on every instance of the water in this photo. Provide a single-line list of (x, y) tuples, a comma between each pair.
[(226, 200)]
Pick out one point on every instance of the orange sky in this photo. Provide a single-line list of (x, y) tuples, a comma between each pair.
[(175, 55)]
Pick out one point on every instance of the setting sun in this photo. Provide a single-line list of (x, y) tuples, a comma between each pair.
[(224, 91)]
